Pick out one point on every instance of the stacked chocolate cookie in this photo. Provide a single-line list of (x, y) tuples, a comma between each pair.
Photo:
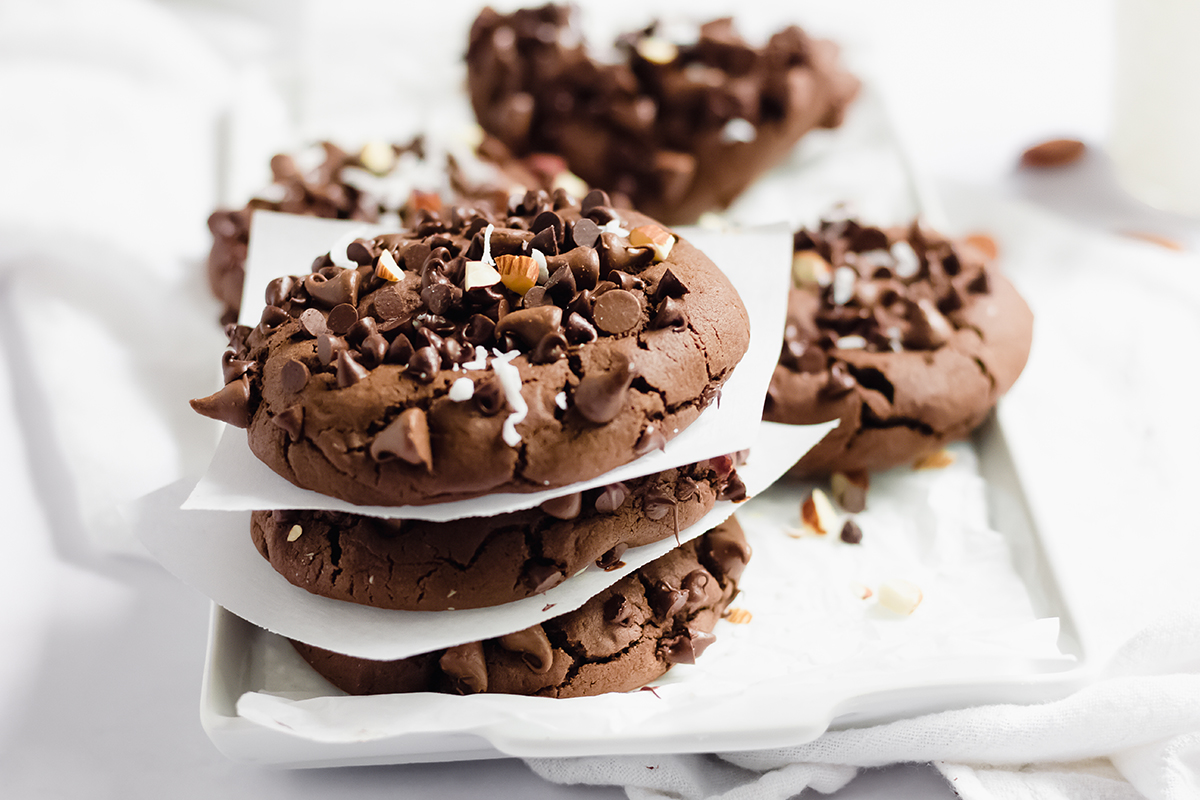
[(907, 337), (481, 352)]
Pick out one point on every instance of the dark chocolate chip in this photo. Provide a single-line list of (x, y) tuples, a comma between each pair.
[(479, 329), (328, 347), (611, 559), (561, 285), (424, 364), (373, 350), (291, 420), (578, 330), (658, 503), (980, 284), (551, 348), (851, 533), (566, 507), (611, 497), (650, 440), (733, 489), (617, 311), (466, 667), (399, 351), (330, 292), (406, 438), (545, 241), (542, 575), (584, 232), (599, 397), (230, 405), (293, 375), (349, 371), (439, 297), (342, 318), (531, 325), (489, 398), (665, 601), (534, 647), (724, 555), (233, 368), (596, 197), (669, 286), (272, 318), (618, 610), (279, 289), (359, 251), (670, 315)]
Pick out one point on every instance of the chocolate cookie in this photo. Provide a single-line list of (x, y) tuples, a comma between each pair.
[(349, 185), (621, 639), (905, 336), (681, 125), (475, 562), (479, 354)]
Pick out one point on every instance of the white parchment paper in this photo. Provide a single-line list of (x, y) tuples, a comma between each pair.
[(212, 551), (811, 644), (758, 263)]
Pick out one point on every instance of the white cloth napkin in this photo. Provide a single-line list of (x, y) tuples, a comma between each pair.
[(109, 160), (1102, 429)]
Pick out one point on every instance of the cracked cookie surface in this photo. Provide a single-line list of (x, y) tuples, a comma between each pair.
[(621, 639), (475, 562), (907, 337), (481, 353)]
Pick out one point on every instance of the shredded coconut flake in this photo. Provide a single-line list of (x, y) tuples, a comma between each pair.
[(462, 390), (480, 360), (843, 285), (560, 400), (851, 343), (510, 382), (543, 270), (487, 246), (614, 226), (907, 262), (739, 130)]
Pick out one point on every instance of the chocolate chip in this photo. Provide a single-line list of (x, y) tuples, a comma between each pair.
[(617, 311), (584, 263), (980, 284), (534, 647), (349, 371), (362, 329), (665, 601), (611, 559), (851, 533), (373, 350), (531, 325), (330, 292), (359, 252), (489, 398), (440, 297), (230, 405), (341, 318), (233, 368), (657, 503), (685, 648), (733, 489), (272, 318), (542, 575), (611, 498), (566, 507), (724, 555), (579, 330), (615, 253), (618, 610), (291, 420), (399, 351), (424, 364), (551, 348), (650, 440), (561, 285), (466, 667), (406, 438), (545, 241), (293, 375), (328, 347), (599, 397), (669, 286), (596, 197), (584, 232), (670, 315), (624, 280), (279, 289)]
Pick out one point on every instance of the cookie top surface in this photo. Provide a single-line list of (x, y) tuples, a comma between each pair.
[(907, 337), (621, 639), (480, 353), (680, 124), (477, 562), (378, 179)]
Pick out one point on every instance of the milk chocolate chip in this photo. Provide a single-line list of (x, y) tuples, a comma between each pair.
[(600, 397), (466, 666), (406, 438)]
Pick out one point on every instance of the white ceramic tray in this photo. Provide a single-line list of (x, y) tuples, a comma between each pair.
[(699, 711)]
